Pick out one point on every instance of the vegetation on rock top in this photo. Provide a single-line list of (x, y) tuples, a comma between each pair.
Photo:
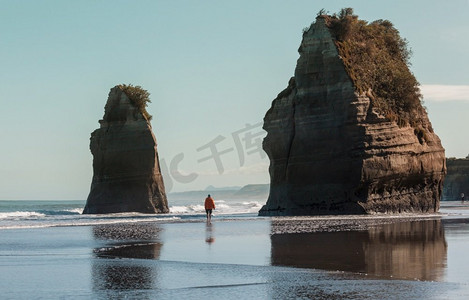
[(377, 61), (139, 97)]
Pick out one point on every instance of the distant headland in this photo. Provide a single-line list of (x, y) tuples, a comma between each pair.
[(457, 180)]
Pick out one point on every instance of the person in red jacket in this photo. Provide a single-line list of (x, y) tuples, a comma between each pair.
[(209, 205)]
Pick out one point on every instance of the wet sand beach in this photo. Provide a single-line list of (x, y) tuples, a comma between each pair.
[(351, 257)]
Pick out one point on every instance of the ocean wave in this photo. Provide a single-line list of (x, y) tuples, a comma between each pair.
[(53, 215), (20, 215), (189, 209), (91, 221), (74, 211), (222, 207), (17, 215), (253, 204)]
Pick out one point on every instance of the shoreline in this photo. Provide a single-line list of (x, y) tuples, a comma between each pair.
[(170, 218), (366, 257), (27, 216)]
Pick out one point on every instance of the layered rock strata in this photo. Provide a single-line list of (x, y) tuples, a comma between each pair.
[(332, 152), (456, 180), (126, 170)]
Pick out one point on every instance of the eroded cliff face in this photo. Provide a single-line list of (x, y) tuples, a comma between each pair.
[(331, 152), (126, 171), (457, 179)]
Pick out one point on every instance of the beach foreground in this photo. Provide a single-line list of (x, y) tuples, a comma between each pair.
[(371, 257)]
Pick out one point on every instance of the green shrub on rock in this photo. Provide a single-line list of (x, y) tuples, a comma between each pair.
[(377, 61), (139, 97)]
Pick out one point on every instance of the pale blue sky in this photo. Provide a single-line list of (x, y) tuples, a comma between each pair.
[(211, 68)]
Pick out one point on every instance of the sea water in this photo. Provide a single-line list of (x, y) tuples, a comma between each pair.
[(240, 255), (16, 214), (39, 214)]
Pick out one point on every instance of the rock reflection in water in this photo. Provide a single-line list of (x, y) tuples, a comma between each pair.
[(407, 250), (127, 232), (121, 276), (128, 240), (125, 241)]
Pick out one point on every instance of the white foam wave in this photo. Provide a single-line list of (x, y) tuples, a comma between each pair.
[(222, 207), (20, 215), (86, 222), (75, 210), (190, 209), (52, 216)]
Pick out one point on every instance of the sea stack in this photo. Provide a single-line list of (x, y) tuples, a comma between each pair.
[(126, 170), (349, 134)]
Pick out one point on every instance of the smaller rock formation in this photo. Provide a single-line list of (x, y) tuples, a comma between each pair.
[(457, 179), (126, 170)]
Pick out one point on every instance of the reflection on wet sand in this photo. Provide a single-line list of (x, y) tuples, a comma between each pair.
[(119, 276), (125, 241), (209, 233), (407, 250), (128, 240)]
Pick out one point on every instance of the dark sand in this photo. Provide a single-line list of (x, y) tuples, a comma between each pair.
[(347, 257)]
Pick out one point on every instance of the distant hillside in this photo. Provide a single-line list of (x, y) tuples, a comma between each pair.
[(198, 195), (250, 191), (253, 191), (225, 188)]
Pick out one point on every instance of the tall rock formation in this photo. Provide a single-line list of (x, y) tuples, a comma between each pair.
[(126, 171), (457, 179), (332, 149)]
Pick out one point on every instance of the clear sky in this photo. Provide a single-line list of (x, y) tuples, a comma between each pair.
[(212, 68)]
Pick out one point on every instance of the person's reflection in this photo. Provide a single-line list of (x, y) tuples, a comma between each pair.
[(408, 250), (209, 233), (125, 241)]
